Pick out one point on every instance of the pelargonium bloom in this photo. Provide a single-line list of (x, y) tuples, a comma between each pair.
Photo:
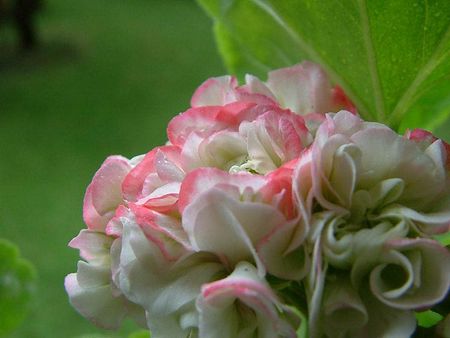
[(154, 272), (369, 193), (226, 219), (255, 213), (303, 89), (180, 295), (366, 168), (265, 203), (92, 290), (258, 126), (239, 137), (227, 307), (104, 193), (256, 129)]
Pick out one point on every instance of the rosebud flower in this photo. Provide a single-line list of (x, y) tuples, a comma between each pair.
[(255, 213), (303, 89), (243, 305), (104, 194), (238, 137)]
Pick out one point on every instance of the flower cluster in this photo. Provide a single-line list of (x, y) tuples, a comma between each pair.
[(270, 199)]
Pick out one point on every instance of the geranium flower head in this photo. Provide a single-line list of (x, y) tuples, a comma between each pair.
[(268, 201)]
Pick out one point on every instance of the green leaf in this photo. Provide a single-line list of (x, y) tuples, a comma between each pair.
[(428, 318), (391, 57), (437, 103), (443, 131), (17, 278)]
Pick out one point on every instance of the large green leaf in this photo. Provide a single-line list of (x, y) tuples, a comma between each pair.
[(391, 57), (16, 286)]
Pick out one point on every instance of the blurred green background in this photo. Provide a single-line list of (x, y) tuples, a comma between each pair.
[(107, 77)]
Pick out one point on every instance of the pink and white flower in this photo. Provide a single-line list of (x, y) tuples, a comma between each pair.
[(244, 305), (237, 136), (303, 89), (92, 290), (260, 202), (104, 194), (181, 295), (255, 213)]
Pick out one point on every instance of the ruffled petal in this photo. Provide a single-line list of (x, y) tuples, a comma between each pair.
[(303, 88), (216, 91), (94, 246), (104, 194), (415, 273), (218, 218), (91, 293), (203, 179)]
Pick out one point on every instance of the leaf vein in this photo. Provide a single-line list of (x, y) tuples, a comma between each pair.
[(406, 99), (312, 53), (372, 63)]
